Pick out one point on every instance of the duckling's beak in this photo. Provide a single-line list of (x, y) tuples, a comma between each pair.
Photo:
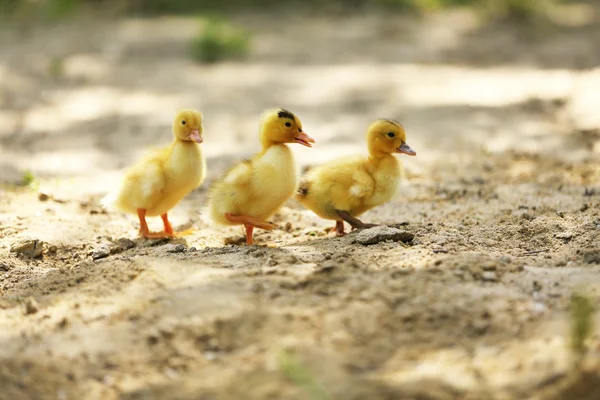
[(304, 139), (406, 149), (195, 136)]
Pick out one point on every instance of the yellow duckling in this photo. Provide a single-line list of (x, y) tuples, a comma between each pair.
[(253, 190), (162, 178), (344, 189)]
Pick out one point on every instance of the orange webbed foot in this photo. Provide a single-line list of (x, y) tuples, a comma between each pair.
[(157, 235)]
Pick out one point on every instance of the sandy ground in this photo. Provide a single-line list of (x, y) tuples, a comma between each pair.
[(503, 199)]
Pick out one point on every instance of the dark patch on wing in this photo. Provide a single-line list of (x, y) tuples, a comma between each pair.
[(303, 188), (286, 114)]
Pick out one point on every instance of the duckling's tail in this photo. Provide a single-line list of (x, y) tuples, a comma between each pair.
[(303, 189), (206, 217), (109, 202)]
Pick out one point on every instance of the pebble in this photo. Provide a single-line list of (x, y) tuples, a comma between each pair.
[(5, 266), (43, 197), (505, 259), (383, 233), (564, 235), (591, 257), (192, 249), (101, 251), (234, 240), (31, 248), (175, 248), (31, 306), (489, 276), (125, 243)]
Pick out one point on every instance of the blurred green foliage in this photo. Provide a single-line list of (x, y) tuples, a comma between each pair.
[(38, 8), (29, 180), (582, 312), (299, 375), (501, 9), (218, 41)]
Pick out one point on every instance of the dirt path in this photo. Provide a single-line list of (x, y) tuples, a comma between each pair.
[(502, 199)]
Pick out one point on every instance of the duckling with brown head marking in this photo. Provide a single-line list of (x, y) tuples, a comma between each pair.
[(343, 189), (253, 190)]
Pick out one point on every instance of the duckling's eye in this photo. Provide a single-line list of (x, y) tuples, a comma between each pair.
[(391, 134), (182, 122), (288, 124)]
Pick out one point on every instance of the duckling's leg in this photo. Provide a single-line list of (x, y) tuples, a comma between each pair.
[(167, 224), (144, 227), (169, 229), (249, 234), (250, 222), (354, 222), (339, 228)]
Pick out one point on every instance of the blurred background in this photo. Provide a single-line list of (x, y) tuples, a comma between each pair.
[(86, 86)]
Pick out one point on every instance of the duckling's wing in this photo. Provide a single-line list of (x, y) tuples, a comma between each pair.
[(152, 180), (362, 184), (149, 178), (239, 174)]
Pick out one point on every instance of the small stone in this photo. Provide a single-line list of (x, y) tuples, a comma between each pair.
[(175, 248), (125, 243), (505, 259), (101, 251), (43, 197), (401, 272), (31, 248), (564, 235), (480, 326), (489, 276), (152, 339), (291, 259), (383, 233), (234, 240), (31, 306), (192, 249), (5, 266), (591, 257), (489, 267)]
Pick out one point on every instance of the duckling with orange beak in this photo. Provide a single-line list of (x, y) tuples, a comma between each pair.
[(342, 190), (164, 177), (253, 190)]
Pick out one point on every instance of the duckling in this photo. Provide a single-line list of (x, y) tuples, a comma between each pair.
[(344, 189), (253, 190), (163, 177)]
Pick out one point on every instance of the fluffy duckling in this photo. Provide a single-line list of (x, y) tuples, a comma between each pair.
[(254, 189), (163, 177), (344, 189)]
